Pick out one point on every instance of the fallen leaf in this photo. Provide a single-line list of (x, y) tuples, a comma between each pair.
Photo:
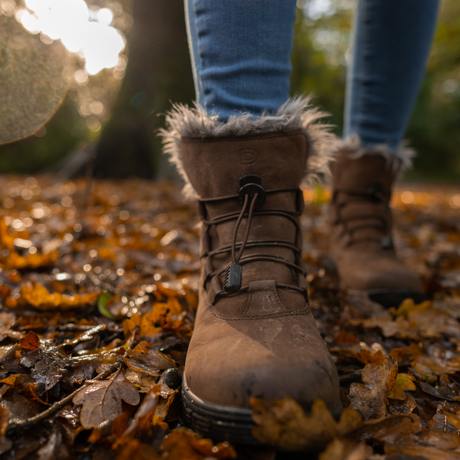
[(7, 320), (101, 400), (18, 262), (144, 358), (39, 297), (30, 342), (139, 451), (182, 444), (364, 355), (425, 366), (284, 424), (342, 449), (404, 382), (370, 397), (396, 407)]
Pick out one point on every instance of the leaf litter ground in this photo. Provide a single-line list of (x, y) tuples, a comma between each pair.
[(98, 292)]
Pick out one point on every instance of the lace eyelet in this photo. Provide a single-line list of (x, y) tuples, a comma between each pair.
[(250, 185)]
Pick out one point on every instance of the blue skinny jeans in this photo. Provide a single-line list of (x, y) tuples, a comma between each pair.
[(241, 53)]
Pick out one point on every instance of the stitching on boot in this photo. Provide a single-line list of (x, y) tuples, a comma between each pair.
[(302, 312)]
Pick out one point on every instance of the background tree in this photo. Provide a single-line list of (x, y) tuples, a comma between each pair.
[(158, 72)]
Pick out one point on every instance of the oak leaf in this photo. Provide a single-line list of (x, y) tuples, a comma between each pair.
[(284, 424), (182, 444), (370, 397), (101, 400)]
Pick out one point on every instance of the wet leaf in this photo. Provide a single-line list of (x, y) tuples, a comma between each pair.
[(284, 424), (101, 400), (144, 358)]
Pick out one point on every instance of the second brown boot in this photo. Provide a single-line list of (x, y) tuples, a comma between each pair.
[(254, 335), (361, 240)]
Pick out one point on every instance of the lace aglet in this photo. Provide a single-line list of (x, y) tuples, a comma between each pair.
[(233, 278)]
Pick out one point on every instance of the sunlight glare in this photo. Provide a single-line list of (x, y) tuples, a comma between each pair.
[(69, 21)]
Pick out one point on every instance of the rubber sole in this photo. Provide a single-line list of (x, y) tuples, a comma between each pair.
[(219, 422)]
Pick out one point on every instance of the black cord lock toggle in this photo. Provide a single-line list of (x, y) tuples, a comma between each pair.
[(233, 278), (375, 191), (250, 185)]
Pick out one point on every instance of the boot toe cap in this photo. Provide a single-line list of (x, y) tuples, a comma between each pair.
[(231, 369)]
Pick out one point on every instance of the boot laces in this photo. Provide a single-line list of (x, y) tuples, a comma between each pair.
[(376, 195), (252, 203)]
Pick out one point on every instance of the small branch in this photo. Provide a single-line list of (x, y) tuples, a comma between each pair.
[(19, 426)]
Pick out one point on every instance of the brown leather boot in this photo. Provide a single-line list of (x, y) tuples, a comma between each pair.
[(254, 334), (361, 240)]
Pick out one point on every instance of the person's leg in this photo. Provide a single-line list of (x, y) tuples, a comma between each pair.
[(391, 44), (392, 39), (241, 53), (243, 150)]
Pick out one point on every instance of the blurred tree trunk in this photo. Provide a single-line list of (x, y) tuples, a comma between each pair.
[(157, 73)]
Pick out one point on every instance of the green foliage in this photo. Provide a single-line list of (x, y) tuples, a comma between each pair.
[(312, 69), (319, 64), (33, 154), (319, 67)]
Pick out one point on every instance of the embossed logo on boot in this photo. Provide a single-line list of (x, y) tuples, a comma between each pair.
[(248, 156)]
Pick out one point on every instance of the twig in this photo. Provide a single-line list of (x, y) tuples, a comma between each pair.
[(19, 426)]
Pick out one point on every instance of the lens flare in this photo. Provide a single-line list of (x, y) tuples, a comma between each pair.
[(87, 33)]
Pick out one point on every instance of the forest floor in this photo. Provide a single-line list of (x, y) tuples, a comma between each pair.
[(98, 291)]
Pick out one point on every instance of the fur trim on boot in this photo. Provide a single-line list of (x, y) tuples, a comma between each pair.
[(296, 113), (400, 158)]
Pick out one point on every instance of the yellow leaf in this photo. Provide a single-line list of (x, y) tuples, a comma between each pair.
[(403, 382), (39, 297)]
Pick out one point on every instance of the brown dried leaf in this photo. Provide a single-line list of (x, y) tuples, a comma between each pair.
[(364, 355), (144, 358), (102, 400), (370, 397), (162, 409), (396, 407), (38, 296), (425, 366), (284, 424), (139, 451), (182, 444), (30, 342), (342, 449), (392, 429), (7, 320)]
